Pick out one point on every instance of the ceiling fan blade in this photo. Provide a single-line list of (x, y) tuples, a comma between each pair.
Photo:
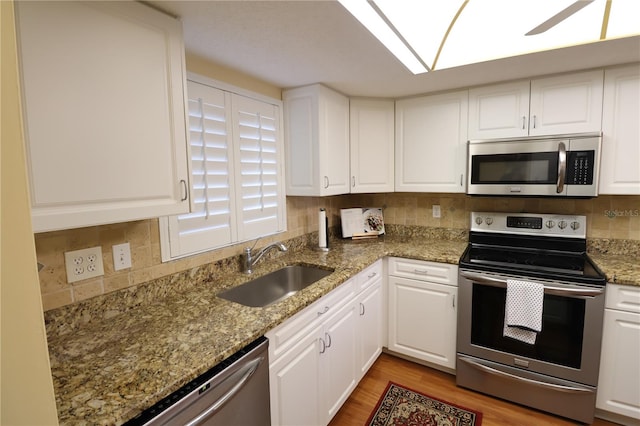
[(559, 17)]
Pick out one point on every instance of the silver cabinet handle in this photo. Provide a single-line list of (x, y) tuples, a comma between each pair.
[(552, 386), (534, 121), (326, 182), (562, 166), (420, 272), (353, 181), (524, 120), (324, 346), (453, 300), (185, 191), (328, 336), (371, 275), (361, 309), (250, 369), (324, 311)]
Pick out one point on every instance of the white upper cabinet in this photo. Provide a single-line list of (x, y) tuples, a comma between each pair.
[(431, 143), (372, 145), (104, 103), (499, 111), (563, 104), (619, 171), (566, 104), (316, 124)]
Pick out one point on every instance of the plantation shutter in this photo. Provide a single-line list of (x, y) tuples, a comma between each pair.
[(211, 223), (260, 200)]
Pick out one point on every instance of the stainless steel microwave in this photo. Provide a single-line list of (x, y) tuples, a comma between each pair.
[(558, 166)]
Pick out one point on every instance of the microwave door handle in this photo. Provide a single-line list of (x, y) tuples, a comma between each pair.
[(562, 167)]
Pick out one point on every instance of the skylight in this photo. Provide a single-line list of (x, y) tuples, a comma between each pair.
[(429, 35)]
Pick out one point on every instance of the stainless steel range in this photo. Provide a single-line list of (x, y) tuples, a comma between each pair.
[(531, 305)]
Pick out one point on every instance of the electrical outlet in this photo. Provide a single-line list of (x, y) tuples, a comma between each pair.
[(121, 256), (83, 264), (435, 209)]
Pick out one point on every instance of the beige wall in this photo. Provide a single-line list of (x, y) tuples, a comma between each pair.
[(400, 208), (26, 391)]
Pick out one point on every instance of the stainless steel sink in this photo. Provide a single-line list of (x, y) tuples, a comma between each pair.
[(275, 286)]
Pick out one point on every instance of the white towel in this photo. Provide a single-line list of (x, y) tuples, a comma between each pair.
[(523, 310)]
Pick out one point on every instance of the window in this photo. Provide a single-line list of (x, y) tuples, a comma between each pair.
[(236, 173)]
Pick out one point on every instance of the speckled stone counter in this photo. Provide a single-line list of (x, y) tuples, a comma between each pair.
[(114, 356), (618, 259)]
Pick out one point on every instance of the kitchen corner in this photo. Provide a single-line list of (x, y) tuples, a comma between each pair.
[(162, 334), (174, 329)]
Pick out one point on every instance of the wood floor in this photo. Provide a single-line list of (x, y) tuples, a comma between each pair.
[(441, 385)]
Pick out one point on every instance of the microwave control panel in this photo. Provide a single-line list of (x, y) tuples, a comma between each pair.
[(580, 168)]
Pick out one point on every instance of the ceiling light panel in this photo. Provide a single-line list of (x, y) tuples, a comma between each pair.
[(369, 17), (487, 29)]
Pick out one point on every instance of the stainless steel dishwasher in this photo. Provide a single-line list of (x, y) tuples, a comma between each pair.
[(233, 393)]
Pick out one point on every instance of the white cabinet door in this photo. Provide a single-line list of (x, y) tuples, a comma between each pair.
[(372, 145), (431, 143), (619, 381), (619, 171), (338, 360), (105, 124), (422, 320), (369, 331), (316, 121), (295, 384), (499, 111), (566, 104)]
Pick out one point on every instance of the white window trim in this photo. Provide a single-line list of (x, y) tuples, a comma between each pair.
[(164, 221)]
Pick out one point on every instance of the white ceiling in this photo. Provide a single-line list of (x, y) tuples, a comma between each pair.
[(294, 43)]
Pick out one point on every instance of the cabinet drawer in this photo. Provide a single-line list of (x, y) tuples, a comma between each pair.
[(623, 298), (369, 275), (292, 330), (423, 270)]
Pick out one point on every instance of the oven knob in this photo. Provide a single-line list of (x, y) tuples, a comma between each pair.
[(550, 224), (562, 224), (575, 225), (489, 220), (478, 220)]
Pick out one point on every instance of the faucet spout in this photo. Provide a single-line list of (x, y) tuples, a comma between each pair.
[(250, 259)]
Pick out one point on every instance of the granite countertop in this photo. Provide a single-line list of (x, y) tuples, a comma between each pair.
[(107, 371)]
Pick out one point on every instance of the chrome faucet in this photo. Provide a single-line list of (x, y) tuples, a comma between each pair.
[(248, 259)]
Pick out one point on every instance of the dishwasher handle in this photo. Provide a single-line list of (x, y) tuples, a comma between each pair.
[(249, 368)]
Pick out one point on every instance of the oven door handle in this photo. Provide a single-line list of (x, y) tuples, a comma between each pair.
[(509, 376), (558, 291)]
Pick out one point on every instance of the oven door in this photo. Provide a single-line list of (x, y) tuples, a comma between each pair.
[(568, 346)]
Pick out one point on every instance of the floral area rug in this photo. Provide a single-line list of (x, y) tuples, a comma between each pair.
[(400, 406)]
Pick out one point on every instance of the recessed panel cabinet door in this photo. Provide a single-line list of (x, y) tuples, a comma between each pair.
[(619, 171), (104, 103), (431, 143)]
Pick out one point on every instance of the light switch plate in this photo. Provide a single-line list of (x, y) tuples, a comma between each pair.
[(121, 256), (83, 264)]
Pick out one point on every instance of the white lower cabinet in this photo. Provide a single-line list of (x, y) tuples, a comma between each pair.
[(422, 310), (619, 382), (295, 384), (370, 322), (318, 356), (338, 360)]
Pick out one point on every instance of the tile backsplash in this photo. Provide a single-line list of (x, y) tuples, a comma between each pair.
[(609, 217)]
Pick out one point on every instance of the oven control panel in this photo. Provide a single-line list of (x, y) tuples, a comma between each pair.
[(572, 226)]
